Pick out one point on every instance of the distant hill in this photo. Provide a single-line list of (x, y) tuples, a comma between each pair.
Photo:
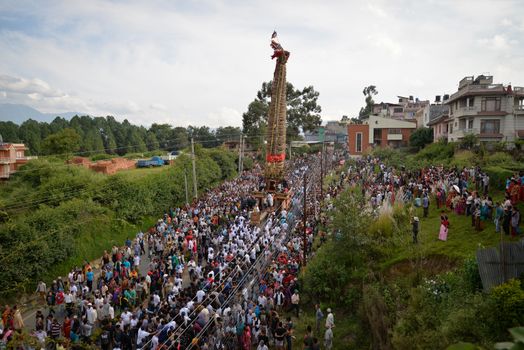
[(19, 113)]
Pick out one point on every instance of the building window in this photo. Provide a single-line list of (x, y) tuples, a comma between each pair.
[(490, 126), (451, 128), (397, 110), (470, 124), (490, 104), (358, 142), (394, 131)]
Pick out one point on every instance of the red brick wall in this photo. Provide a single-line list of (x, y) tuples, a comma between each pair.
[(353, 129)]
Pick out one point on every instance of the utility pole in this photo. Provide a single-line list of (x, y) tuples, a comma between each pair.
[(194, 168), (304, 218), (185, 183), (322, 173), (240, 156)]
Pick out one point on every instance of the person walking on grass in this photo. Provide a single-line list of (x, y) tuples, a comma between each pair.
[(416, 226), (425, 204), (318, 317), (499, 215), (444, 225), (330, 319), (328, 339), (515, 220)]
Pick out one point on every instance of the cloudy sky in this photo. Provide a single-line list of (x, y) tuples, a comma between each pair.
[(201, 62)]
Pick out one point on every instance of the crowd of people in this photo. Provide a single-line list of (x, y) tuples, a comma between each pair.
[(465, 191), (203, 277)]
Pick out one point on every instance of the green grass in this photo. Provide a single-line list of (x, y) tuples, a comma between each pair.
[(139, 172), (463, 240), (346, 327)]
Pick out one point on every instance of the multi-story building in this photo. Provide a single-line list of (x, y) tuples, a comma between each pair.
[(405, 109), (492, 112), (12, 156), (378, 131)]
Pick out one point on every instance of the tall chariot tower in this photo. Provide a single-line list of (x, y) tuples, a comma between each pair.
[(276, 131)]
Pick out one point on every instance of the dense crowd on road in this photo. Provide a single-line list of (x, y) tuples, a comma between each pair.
[(203, 277)]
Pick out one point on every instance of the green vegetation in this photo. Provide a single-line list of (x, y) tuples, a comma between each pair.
[(54, 216), (87, 136), (389, 293), (421, 137), (499, 164), (303, 112)]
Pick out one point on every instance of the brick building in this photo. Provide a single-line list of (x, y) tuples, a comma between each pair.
[(378, 131), (12, 156)]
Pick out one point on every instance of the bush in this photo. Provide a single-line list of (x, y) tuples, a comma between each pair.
[(498, 176), (508, 305), (102, 156), (499, 158), (465, 159), (439, 151)]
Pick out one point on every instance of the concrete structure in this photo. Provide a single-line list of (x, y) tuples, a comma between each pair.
[(492, 112), (440, 127), (429, 112), (378, 131), (405, 109), (333, 131), (12, 156)]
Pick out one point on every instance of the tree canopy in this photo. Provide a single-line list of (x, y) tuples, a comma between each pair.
[(303, 112), (107, 135), (421, 137), (369, 92)]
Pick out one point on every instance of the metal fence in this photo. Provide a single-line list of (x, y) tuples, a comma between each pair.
[(498, 265)]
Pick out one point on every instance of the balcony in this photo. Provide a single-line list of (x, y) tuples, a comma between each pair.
[(518, 90), (519, 109), (394, 137), (465, 111), (460, 133)]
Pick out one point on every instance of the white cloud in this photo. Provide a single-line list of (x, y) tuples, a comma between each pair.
[(202, 62), (158, 106), (377, 10)]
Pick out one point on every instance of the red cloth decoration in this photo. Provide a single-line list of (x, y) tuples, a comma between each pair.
[(275, 158)]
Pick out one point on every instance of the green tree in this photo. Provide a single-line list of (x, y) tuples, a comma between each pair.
[(228, 133), (421, 137), (152, 142), (303, 111), (203, 135), (64, 142), (180, 138), (369, 92), (9, 132), (164, 134), (29, 133)]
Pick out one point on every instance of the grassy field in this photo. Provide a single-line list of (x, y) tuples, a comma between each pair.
[(463, 240), (139, 172)]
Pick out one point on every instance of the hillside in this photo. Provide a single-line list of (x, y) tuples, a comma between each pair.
[(18, 114)]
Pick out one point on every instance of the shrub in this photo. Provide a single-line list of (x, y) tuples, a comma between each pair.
[(508, 305), (438, 151), (102, 156), (499, 158), (464, 159), (498, 176)]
